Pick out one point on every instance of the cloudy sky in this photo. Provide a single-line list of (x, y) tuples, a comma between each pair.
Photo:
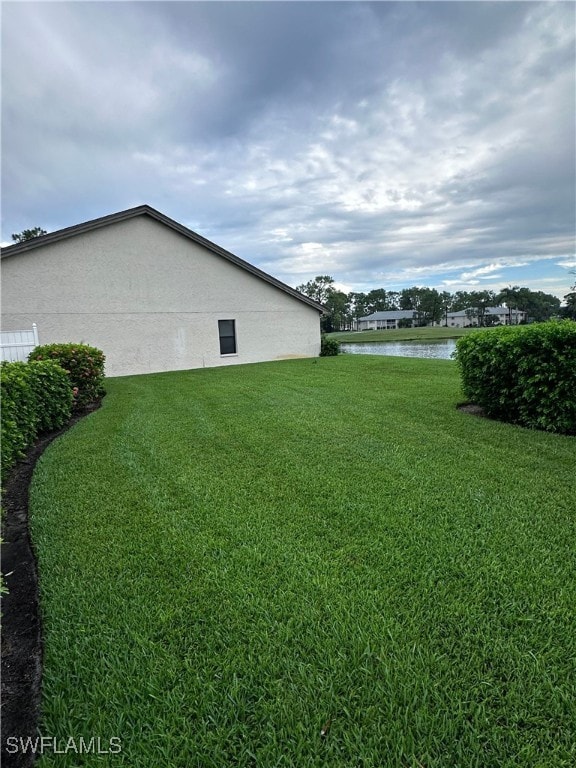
[(385, 144)]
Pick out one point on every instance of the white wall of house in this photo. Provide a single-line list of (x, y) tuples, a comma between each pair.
[(377, 325), (497, 315), (365, 325), (459, 320), (383, 321), (151, 298)]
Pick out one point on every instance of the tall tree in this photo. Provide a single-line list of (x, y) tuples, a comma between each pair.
[(359, 303), (446, 302), (393, 300), (28, 234), (539, 306), (339, 315), (509, 298), (570, 309), (318, 289), (430, 309), (481, 300), (472, 315), (409, 298), (377, 301), (425, 302), (461, 300)]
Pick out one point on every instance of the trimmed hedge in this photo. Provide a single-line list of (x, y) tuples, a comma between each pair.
[(36, 397), (84, 365), (39, 396), (19, 416), (329, 347), (524, 375), (51, 386)]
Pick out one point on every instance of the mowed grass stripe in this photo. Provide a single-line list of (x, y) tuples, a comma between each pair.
[(234, 559)]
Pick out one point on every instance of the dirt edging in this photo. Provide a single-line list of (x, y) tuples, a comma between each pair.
[(21, 631)]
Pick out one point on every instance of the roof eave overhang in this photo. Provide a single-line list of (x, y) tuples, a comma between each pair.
[(146, 210)]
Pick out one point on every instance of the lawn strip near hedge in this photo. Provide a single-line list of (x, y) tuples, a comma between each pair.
[(234, 561)]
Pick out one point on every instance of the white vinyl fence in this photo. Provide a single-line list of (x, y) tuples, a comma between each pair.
[(17, 345)]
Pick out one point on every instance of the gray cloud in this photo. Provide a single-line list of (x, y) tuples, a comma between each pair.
[(364, 140)]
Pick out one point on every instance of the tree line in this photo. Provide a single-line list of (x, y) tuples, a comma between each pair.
[(430, 305)]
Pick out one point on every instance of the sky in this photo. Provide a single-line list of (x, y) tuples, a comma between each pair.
[(385, 144)]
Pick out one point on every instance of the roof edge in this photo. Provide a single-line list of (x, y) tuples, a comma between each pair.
[(147, 210)]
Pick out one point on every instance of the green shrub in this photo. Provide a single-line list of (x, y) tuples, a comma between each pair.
[(84, 365), (36, 397), (19, 413), (54, 395), (523, 374), (329, 347)]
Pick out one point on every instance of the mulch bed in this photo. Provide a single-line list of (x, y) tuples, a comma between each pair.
[(21, 633)]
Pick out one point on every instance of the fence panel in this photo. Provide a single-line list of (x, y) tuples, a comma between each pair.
[(17, 345)]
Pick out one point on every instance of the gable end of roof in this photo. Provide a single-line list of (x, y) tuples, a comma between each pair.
[(147, 210)]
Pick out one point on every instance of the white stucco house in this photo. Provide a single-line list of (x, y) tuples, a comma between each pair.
[(385, 320), (467, 318), (154, 296)]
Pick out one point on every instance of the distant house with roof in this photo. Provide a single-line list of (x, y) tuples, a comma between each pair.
[(465, 318), (154, 296), (468, 318), (387, 320)]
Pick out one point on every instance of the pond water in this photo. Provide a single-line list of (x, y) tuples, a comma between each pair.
[(440, 348)]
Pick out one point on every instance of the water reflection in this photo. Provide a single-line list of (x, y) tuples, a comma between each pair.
[(440, 348)]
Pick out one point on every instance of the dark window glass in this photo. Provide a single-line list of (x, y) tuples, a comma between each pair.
[(227, 331)]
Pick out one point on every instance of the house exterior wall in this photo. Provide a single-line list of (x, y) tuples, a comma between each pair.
[(382, 321), (377, 325), (462, 320), (151, 298), (366, 325)]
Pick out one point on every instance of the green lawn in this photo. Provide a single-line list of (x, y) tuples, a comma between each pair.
[(402, 334), (235, 560)]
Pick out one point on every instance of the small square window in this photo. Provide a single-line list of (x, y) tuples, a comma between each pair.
[(227, 333)]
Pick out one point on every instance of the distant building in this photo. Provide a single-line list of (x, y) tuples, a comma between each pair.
[(465, 318), (468, 318), (388, 320)]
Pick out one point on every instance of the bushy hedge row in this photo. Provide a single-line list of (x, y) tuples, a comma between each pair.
[(36, 397), (84, 365), (40, 395), (523, 374), (329, 347)]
